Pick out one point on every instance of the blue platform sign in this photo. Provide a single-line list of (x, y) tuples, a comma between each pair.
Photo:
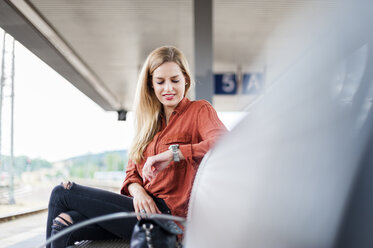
[(225, 84), (252, 83)]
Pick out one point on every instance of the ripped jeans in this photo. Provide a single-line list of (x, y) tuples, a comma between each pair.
[(82, 203)]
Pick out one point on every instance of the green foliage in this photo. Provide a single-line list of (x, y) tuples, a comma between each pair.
[(82, 166), (24, 163), (85, 166)]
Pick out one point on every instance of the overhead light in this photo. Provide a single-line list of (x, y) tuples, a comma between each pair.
[(122, 115)]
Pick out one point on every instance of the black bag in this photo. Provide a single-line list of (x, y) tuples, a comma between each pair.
[(155, 233)]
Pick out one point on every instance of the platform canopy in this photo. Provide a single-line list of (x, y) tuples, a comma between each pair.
[(99, 46)]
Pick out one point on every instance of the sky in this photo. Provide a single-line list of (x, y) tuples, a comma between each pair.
[(53, 120)]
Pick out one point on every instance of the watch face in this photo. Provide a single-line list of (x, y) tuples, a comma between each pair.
[(173, 147)]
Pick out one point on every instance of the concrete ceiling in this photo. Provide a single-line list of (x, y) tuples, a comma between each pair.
[(99, 46)]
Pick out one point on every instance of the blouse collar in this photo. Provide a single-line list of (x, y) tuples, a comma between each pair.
[(183, 104)]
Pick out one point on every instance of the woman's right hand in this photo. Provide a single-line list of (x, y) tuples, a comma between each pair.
[(142, 200)]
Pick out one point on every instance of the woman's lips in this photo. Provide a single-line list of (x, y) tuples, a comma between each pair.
[(169, 97)]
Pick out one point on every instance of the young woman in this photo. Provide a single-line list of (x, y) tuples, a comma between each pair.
[(172, 136)]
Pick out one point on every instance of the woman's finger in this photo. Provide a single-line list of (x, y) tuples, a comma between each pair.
[(137, 209), (155, 172), (146, 207), (148, 175), (147, 171), (154, 208), (135, 206), (144, 173)]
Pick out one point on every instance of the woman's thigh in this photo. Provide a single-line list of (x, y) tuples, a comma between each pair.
[(92, 202)]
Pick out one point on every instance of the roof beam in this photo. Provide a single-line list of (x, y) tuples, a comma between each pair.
[(21, 20)]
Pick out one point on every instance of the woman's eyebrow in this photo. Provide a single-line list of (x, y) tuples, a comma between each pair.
[(170, 77)]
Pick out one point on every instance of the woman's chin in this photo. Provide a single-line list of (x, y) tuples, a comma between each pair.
[(170, 103)]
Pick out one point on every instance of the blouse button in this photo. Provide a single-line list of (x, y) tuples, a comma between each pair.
[(174, 112)]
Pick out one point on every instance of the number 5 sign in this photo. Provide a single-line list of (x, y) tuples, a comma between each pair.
[(225, 84)]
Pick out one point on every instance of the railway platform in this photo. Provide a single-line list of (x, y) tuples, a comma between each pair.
[(22, 225)]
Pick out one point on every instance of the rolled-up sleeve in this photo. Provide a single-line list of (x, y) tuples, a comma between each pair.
[(132, 176), (210, 128)]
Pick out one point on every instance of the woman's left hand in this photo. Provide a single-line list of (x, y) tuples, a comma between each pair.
[(156, 164)]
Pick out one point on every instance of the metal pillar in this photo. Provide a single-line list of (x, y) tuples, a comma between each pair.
[(203, 49), (7, 79), (11, 167), (2, 81)]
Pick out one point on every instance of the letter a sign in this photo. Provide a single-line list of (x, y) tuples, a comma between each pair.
[(252, 83)]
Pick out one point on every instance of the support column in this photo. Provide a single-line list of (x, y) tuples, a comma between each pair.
[(11, 167), (203, 49), (2, 82)]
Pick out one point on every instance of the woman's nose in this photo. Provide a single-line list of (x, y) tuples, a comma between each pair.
[(168, 85)]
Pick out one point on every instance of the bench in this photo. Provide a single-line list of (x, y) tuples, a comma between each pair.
[(108, 243), (116, 243)]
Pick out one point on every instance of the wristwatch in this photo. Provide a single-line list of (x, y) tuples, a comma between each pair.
[(175, 152)]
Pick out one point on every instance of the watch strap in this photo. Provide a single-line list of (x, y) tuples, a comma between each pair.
[(175, 152)]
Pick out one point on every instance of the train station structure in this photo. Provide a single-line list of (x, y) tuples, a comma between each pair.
[(297, 170)]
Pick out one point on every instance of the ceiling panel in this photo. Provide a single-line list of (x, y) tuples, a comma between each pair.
[(113, 37)]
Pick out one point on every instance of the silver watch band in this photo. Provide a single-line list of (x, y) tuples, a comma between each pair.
[(175, 152)]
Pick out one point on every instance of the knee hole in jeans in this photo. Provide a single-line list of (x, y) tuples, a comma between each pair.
[(62, 221), (67, 185)]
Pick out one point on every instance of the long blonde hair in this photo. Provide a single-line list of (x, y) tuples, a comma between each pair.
[(147, 106)]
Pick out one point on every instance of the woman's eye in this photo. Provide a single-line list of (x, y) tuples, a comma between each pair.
[(160, 82), (175, 81)]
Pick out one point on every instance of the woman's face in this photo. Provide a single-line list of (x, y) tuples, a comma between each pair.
[(169, 84)]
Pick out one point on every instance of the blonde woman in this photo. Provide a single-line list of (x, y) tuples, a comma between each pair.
[(172, 136)]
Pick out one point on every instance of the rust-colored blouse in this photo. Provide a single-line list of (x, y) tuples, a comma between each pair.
[(195, 126)]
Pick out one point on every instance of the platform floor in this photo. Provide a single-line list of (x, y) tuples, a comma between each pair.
[(28, 231)]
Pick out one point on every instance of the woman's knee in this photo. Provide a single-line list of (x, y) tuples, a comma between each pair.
[(58, 193), (61, 188), (67, 185)]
